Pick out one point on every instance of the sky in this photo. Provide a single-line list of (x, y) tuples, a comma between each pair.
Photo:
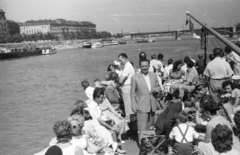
[(127, 15)]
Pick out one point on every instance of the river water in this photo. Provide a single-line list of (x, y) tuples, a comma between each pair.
[(37, 91)]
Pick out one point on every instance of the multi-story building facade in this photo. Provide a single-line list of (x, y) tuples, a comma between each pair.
[(3, 23), (57, 26)]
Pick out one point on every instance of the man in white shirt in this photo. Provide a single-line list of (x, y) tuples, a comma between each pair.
[(88, 89), (161, 67), (155, 63), (168, 68), (125, 81), (216, 72)]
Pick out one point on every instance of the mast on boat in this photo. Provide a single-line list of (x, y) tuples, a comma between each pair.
[(216, 34)]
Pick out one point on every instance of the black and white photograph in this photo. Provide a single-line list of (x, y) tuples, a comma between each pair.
[(119, 77)]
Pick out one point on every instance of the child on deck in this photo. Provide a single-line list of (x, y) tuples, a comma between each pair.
[(182, 136), (200, 65)]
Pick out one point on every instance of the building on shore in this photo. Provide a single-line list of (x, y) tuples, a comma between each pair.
[(13, 27), (56, 26), (3, 23)]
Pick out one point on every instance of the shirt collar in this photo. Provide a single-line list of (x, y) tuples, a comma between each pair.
[(144, 74), (126, 63), (183, 106)]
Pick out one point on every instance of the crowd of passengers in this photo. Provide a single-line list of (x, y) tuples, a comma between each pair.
[(196, 108)]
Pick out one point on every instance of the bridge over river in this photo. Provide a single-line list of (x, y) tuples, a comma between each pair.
[(231, 31)]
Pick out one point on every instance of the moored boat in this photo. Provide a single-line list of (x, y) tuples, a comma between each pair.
[(97, 45), (114, 42), (122, 42), (142, 40), (19, 53), (151, 40), (86, 44), (48, 51), (107, 43)]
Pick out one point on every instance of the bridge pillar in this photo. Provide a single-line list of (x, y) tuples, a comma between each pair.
[(233, 30), (177, 36)]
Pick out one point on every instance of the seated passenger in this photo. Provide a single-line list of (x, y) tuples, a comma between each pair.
[(166, 119), (88, 89), (63, 132), (103, 111), (176, 73), (236, 128), (78, 138), (190, 80), (235, 96), (108, 136), (182, 136), (114, 68), (168, 68), (112, 93), (210, 109), (97, 83), (222, 140), (184, 66)]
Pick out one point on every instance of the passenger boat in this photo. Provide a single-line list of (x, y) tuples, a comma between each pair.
[(48, 51), (107, 43), (142, 40), (86, 44), (114, 42), (19, 53), (151, 40), (122, 42), (97, 45)]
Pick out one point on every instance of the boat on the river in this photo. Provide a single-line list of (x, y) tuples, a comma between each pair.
[(86, 44), (151, 40), (107, 43), (122, 41), (97, 45), (115, 42), (19, 53), (48, 51), (142, 40)]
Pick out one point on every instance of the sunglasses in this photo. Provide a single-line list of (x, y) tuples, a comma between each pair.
[(77, 126)]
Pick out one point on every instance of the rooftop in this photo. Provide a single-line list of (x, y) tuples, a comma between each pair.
[(58, 22), (1, 10)]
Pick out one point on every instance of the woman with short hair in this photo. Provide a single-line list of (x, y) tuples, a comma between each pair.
[(63, 132), (176, 73), (210, 110), (222, 140), (103, 111), (189, 82), (233, 59), (236, 128)]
